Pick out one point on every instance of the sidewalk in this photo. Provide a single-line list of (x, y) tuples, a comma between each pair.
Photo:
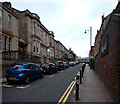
[(91, 89)]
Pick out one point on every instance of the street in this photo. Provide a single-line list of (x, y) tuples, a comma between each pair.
[(49, 89)]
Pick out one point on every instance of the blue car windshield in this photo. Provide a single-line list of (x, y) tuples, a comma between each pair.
[(16, 67)]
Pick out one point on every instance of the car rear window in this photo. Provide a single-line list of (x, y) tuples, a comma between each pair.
[(45, 65), (61, 63), (16, 66), (56, 63)]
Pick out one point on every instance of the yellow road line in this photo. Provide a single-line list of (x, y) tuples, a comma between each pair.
[(65, 93), (78, 73), (68, 93), (3, 84)]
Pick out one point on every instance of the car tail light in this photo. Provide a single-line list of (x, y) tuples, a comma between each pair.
[(58, 65), (22, 71), (47, 67)]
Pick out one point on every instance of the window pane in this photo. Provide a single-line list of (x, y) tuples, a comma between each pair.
[(16, 67), (34, 46), (46, 53), (33, 28), (5, 43), (9, 21), (46, 39), (41, 52), (9, 44), (50, 41), (38, 47), (30, 66), (41, 34), (37, 30)]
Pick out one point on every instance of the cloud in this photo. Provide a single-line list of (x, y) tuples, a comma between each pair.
[(73, 13)]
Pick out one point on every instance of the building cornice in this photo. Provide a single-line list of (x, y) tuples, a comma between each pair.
[(9, 10)]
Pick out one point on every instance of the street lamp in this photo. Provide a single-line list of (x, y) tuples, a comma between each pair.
[(90, 35)]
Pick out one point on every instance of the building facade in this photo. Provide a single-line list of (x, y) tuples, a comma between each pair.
[(56, 50), (8, 34), (107, 64)]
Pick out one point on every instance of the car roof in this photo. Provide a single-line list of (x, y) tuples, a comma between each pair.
[(51, 63), (21, 63)]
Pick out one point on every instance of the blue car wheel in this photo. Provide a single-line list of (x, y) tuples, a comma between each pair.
[(27, 80)]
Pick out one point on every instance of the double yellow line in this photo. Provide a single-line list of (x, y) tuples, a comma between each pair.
[(67, 93), (3, 84)]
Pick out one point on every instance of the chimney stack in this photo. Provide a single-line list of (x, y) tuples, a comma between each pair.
[(7, 4), (102, 17)]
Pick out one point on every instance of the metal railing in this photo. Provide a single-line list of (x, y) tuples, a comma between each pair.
[(20, 56)]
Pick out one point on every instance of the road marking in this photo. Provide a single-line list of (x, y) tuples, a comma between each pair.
[(78, 73), (61, 71), (7, 86), (68, 93), (3, 84), (51, 75), (22, 87), (65, 92), (74, 91)]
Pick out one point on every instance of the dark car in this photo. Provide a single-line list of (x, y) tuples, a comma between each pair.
[(49, 68), (60, 65), (23, 72), (66, 64)]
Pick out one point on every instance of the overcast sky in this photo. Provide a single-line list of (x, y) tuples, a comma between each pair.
[(68, 19)]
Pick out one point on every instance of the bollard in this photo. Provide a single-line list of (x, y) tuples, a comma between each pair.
[(77, 88), (80, 76), (83, 68), (82, 71)]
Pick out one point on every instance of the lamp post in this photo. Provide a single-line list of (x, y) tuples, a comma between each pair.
[(90, 35)]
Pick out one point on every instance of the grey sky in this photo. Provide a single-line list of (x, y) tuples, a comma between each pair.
[(68, 19)]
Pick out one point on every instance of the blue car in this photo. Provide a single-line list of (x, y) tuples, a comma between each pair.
[(23, 72)]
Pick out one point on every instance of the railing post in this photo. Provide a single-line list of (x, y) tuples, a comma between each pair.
[(83, 68), (80, 76), (77, 88)]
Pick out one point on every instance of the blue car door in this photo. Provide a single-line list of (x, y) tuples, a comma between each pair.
[(37, 71), (32, 71)]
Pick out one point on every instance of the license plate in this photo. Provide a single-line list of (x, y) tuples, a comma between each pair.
[(12, 78)]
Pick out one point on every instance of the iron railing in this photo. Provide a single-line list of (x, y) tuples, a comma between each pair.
[(20, 56)]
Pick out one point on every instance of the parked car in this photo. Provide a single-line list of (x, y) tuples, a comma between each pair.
[(23, 72), (66, 64), (71, 63), (77, 62), (49, 68), (60, 65)]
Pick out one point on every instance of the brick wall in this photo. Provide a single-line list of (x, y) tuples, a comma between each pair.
[(107, 65)]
